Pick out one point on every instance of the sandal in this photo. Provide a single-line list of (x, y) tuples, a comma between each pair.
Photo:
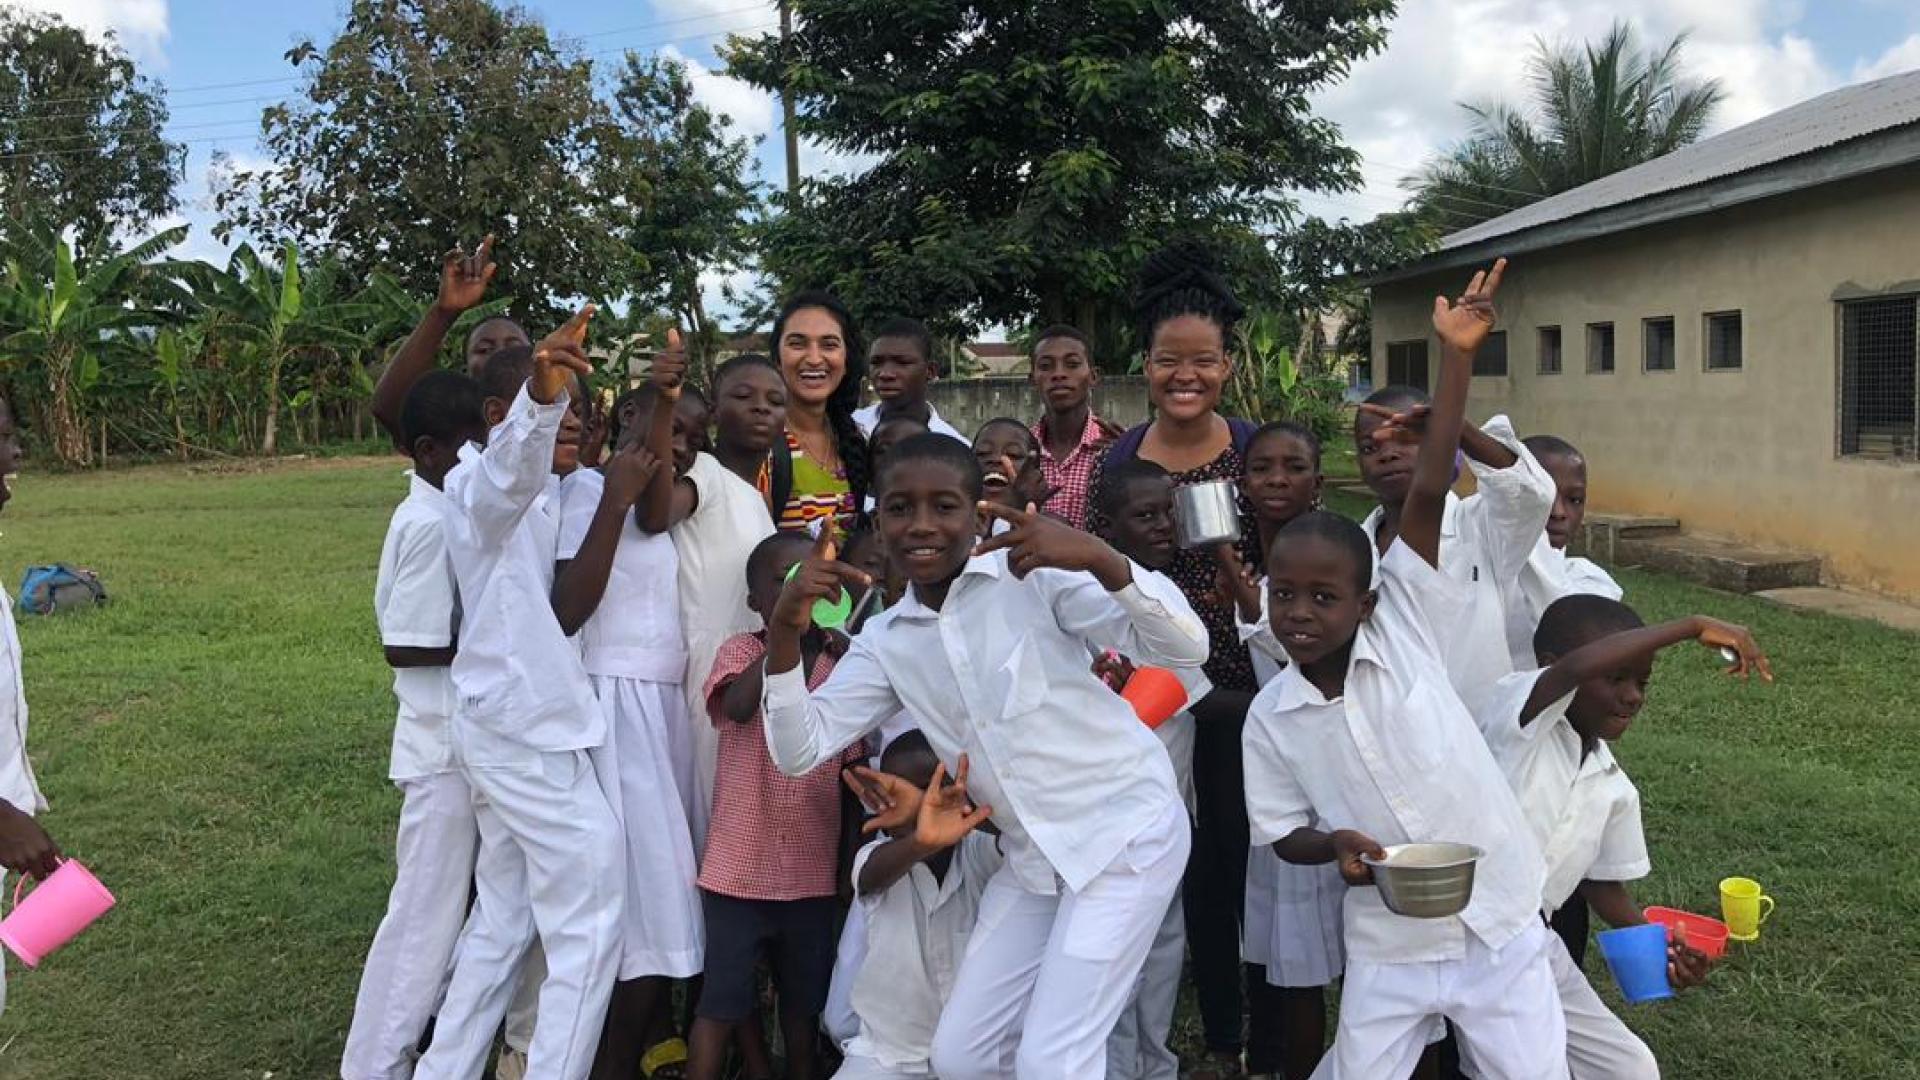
[(666, 1059)]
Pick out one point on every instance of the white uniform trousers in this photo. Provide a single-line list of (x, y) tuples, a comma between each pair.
[(412, 952), (839, 1020), (1502, 1003), (1046, 976), (1137, 1049), (857, 1067), (1599, 1045), (524, 1008), (550, 864)]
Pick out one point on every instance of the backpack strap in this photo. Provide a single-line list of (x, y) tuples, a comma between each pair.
[(780, 476), (1242, 430)]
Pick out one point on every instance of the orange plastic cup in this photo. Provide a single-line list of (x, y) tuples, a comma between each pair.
[(1705, 933), (1156, 694)]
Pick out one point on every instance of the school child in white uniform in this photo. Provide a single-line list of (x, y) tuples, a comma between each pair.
[(919, 888), (1485, 538), (726, 516), (418, 611), (615, 582), (1550, 573), (25, 847), (1361, 742), (525, 720), (990, 650), (1549, 728)]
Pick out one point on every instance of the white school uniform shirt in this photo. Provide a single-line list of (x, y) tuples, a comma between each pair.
[(418, 607), (1583, 810), (1001, 673), (520, 688), (1398, 758), (635, 631), (17, 784), (1549, 574), (1485, 539), (917, 933), (869, 418)]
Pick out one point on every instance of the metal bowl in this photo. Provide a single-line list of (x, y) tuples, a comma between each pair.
[(1206, 513), (1426, 881)]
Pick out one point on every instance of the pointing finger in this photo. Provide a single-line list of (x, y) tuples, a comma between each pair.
[(1493, 280)]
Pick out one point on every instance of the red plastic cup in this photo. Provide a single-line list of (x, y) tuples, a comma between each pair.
[(1709, 935), (1156, 694)]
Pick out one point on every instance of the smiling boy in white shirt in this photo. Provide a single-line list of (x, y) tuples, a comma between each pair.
[(990, 650), (1363, 732)]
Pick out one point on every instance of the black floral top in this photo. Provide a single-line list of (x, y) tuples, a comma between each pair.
[(1229, 667)]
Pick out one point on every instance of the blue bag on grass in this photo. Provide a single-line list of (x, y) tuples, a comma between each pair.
[(46, 590)]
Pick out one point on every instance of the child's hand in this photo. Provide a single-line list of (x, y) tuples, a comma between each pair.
[(1687, 966), (1748, 659), (1465, 323), (464, 278), (1348, 846), (893, 802), (944, 818), (819, 577), (629, 472), (1114, 670), (669, 370), (1235, 583), (1036, 541), (1407, 427), (559, 357), (25, 847)]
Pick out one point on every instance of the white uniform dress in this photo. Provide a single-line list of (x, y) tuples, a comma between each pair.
[(729, 518), (917, 932), (1398, 757), (1292, 925), (1585, 813), (407, 966), (635, 654), (1485, 540), (17, 785)]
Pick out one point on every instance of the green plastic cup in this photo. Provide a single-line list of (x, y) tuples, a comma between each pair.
[(828, 614)]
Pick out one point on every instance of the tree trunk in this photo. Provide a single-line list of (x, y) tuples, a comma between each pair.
[(269, 440), (70, 443)]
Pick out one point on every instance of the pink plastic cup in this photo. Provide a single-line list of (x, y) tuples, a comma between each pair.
[(67, 902), (1156, 694)]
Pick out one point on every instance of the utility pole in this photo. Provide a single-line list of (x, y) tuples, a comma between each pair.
[(786, 102)]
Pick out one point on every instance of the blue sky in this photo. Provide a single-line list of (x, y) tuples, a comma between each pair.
[(1396, 108)]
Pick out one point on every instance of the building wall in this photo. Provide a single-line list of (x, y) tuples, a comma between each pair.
[(1750, 454), (968, 403)]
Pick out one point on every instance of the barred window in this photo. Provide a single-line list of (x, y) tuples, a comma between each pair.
[(1407, 364), (1599, 347), (1549, 350), (1725, 348), (1491, 360), (1879, 350), (1658, 343)]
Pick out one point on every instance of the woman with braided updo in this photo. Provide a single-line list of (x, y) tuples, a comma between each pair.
[(825, 474)]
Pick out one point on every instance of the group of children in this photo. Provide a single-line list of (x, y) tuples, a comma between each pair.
[(632, 757)]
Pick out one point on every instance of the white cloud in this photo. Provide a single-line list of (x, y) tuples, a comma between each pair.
[(754, 112), (141, 25), (1900, 58)]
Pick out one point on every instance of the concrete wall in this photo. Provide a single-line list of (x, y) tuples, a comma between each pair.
[(968, 403), (1751, 454)]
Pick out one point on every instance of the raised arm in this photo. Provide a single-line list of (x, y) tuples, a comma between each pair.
[(1515, 499), (1461, 326), (580, 581), (945, 818), (463, 284), (669, 372), (807, 728), (1616, 651)]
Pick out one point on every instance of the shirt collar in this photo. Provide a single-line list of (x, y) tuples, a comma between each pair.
[(417, 486), (1089, 435), (1449, 521), (910, 607)]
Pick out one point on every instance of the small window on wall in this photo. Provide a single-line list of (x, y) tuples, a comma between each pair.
[(1658, 335), (1407, 363), (1723, 341), (1599, 347), (1880, 378), (1491, 360), (1549, 350)]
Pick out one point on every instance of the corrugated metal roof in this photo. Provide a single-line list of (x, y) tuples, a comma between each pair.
[(1822, 122)]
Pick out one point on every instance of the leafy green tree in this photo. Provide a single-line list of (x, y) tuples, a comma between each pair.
[(1596, 109), (1031, 155), (430, 122), (81, 139)]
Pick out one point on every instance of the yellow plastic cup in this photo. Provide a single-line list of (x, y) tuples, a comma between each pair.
[(1745, 907)]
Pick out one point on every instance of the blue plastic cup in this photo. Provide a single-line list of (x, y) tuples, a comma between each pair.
[(1637, 956)]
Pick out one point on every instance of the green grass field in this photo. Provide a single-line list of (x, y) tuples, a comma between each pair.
[(214, 745)]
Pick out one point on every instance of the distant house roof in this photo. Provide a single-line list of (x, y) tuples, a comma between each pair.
[(1846, 133), (996, 357)]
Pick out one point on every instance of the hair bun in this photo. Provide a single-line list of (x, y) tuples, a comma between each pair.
[(1182, 266)]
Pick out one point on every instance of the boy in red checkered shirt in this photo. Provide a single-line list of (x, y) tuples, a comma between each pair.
[(771, 869)]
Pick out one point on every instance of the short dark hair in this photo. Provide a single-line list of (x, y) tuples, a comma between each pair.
[(769, 548), (913, 330), (505, 370), (1543, 446), (929, 446), (734, 365), (1111, 489), (908, 746), (1581, 619), (1033, 441), (491, 319), (1287, 427), (1398, 396), (442, 406), (1059, 331), (896, 421), (1341, 531)]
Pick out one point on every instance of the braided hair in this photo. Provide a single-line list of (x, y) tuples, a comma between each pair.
[(1184, 278), (847, 436)]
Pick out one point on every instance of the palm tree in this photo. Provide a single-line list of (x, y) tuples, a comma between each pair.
[(1597, 109)]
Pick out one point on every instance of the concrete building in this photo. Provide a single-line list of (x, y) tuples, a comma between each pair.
[(1728, 332)]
